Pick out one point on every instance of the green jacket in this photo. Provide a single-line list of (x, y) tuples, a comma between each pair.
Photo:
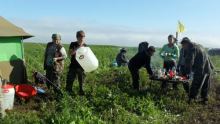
[(173, 50)]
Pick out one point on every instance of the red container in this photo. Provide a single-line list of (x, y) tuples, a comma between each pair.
[(25, 91), (171, 75), (183, 78)]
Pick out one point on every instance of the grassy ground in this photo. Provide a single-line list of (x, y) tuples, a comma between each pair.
[(109, 98)]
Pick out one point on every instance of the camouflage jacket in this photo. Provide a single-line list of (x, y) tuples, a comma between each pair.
[(197, 60), (59, 65)]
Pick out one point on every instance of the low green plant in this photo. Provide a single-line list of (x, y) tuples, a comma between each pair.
[(109, 97)]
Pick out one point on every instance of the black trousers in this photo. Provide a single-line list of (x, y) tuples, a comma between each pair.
[(71, 76), (135, 76), (168, 65)]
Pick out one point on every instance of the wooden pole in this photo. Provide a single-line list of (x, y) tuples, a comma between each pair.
[(0, 73)]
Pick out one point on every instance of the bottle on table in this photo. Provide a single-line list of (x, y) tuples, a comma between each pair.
[(171, 74), (159, 74)]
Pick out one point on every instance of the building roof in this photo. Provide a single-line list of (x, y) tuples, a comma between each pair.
[(214, 51)]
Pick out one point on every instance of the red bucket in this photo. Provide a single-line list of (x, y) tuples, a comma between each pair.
[(25, 91)]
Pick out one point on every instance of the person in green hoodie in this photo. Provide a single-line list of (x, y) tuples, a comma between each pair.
[(169, 53)]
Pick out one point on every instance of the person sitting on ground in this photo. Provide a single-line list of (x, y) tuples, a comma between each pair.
[(39, 78), (140, 59), (121, 58)]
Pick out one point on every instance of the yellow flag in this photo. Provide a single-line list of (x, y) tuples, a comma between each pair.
[(180, 28)]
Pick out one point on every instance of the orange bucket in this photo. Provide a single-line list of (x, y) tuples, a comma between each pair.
[(25, 91)]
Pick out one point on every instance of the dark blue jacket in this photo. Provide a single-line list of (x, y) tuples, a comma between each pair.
[(140, 59)]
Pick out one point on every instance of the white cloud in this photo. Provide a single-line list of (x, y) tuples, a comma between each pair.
[(207, 39), (101, 34)]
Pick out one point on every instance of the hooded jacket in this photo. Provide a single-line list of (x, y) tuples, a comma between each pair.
[(197, 60), (140, 59)]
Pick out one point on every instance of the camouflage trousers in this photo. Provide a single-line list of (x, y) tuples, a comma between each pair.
[(196, 83), (71, 76), (54, 79)]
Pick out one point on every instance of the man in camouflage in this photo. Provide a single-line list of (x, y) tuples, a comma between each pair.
[(55, 55), (197, 61)]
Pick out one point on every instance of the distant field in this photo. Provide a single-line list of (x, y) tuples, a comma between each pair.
[(109, 98)]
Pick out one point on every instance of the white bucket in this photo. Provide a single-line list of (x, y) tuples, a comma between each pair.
[(87, 59), (8, 93), (2, 107)]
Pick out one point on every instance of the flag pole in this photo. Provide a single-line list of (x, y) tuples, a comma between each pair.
[(177, 33), (176, 37)]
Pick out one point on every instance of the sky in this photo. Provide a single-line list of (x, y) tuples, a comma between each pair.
[(116, 22)]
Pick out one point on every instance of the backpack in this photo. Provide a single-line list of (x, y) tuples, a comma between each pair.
[(143, 46)]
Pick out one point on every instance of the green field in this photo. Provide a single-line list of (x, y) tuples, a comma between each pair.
[(109, 98)]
